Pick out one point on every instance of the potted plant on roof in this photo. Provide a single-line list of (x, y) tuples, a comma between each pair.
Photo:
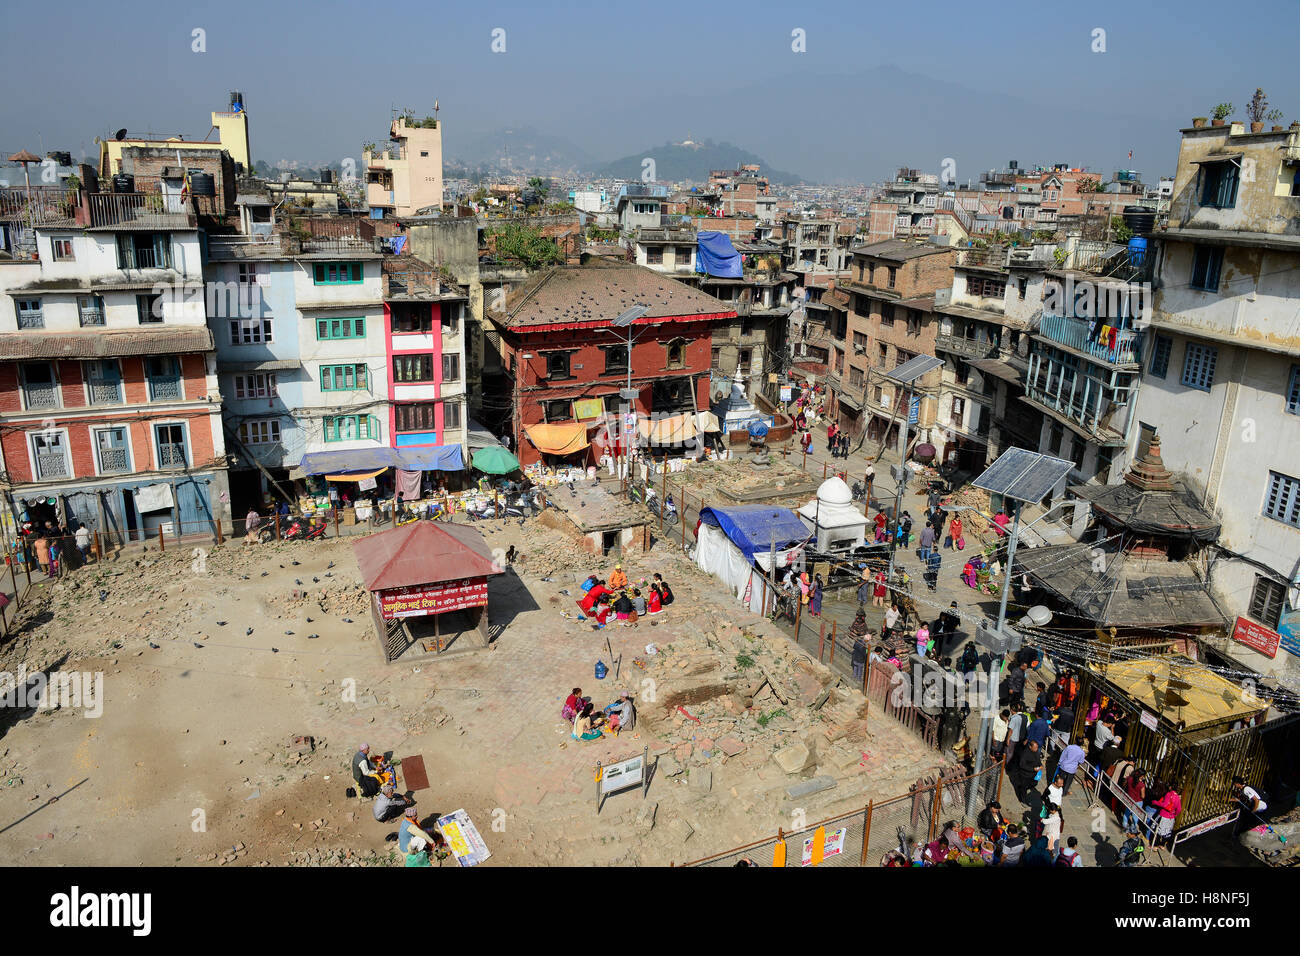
[(1221, 113), (1275, 117), (1256, 110)]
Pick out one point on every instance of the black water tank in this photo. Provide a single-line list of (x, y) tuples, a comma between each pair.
[(327, 177), (202, 184), (1140, 219), (123, 183)]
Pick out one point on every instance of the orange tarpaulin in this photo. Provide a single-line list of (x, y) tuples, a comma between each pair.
[(558, 438), (673, 430)]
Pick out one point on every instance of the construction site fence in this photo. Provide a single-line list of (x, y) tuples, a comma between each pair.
[(865, 836)]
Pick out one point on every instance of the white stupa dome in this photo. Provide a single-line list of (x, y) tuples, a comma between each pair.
[(834, 491)]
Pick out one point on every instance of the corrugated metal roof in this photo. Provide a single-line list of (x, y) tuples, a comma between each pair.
[(77, 345), (423, 552)]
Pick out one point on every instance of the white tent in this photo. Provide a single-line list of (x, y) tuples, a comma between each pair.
[(836, 522), (725, 554)]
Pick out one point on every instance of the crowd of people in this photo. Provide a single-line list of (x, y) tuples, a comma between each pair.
[(618, 600), (55, 548)]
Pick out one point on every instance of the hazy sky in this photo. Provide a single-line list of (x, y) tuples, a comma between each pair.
[(881, 85)]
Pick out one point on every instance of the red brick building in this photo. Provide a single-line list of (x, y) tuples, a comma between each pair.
[(565, 363)]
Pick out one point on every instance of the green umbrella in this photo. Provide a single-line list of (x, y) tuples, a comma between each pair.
[(495, 461)]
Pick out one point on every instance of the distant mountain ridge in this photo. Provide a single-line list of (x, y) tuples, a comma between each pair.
[(691, 161)]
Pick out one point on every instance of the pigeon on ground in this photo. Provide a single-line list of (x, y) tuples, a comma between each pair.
[(249, 631), (564, 591), (296, 563), (153, 645), (298, 581), (275, 650), (221, 623), (312, 637), (330, 565), (315, 580), (347, 620), (308, 620), (103, 595), (198, 645), (288, 632), (265, 573)]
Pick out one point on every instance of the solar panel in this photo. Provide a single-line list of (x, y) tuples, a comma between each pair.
[(1023, 475), (913, 369)]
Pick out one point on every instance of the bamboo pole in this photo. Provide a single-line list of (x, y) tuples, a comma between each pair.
[(221, 538), (821, 641), (832, 642), (13, 576), (866, 832), (161, 545)]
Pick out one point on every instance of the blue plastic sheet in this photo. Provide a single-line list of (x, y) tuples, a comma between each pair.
[(716, 256)]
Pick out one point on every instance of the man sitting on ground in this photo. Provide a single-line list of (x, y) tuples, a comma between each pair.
[(389, 803), (617, 579)]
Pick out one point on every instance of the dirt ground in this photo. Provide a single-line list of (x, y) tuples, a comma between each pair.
[(215, 660)]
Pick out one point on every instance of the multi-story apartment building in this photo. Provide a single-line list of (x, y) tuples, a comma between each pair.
[(405, 176), (1085, 358), (1222, 369), (639, 204), (984, 324), (744, 347), (108, 387), (890, 320), (343, 352), (905, 207)]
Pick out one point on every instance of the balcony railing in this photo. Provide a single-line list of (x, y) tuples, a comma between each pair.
[(31, 319), (42, 206), (144, 210), (51, 464), (105, 391), (113, 460), (1085, 335), (343, 244), (41, 396), (974, 347), (92, 316), (171, 455), (165, 388)]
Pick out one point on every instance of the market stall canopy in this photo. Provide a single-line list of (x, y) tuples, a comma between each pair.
[(716, 256), (495, 461), (558, 438), (422, 552), (757, 528), (479, 437), (673, 430), (354, 475), (1113, 588), (375, 460), (1181, 690)]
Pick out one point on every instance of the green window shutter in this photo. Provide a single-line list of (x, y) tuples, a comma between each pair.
[(322, 329), (363, 377), (374, 427), (361, 328), (325, 385), (331, 430)]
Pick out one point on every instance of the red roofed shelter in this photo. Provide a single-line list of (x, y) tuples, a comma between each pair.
[(428, 584)]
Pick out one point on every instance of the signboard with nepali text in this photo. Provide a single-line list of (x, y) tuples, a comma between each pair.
[(1257, 637), (433, 598)]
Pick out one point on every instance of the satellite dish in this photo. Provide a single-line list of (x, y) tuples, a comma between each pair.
[(120, 134)]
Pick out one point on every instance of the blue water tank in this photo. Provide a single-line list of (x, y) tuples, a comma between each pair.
[(1137, 250)]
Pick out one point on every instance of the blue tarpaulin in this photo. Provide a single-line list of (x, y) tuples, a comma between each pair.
[(419, 458), (757, 528), (716, 256)]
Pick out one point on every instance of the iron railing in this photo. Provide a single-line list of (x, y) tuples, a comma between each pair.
[(147, 210), (1086, 336), (171, 455), (164, 387)]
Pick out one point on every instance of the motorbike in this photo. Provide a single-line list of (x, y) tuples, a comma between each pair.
[(667, 511), (266, 534), (295, 532), (317, 530)]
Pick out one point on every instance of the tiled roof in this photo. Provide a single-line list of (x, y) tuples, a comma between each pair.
[(594, 294), (103, 344)]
